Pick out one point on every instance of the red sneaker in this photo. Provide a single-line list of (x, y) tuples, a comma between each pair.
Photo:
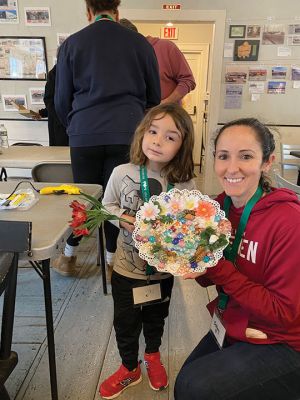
[(157, 375), (113, 386)]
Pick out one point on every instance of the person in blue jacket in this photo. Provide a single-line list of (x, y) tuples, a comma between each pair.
[(107, 76)]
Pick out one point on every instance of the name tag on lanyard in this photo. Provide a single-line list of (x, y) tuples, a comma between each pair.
[(145, 295), (218, 329)]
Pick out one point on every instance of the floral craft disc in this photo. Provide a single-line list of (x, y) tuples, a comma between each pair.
[(181, 231)]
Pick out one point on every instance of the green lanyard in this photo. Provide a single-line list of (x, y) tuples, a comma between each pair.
[(146, 197), (104, 16), (231, 251)]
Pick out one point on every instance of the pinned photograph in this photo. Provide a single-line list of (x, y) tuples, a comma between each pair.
[(257, 74), (37, 16), (273, 34), (61, 37), (256, 87), (246, 50), (237, 31), (233, 96), (295, 73), (279, 72), (9, 12), (253, 31), (276, 87), (36, 95), (294, 29), (235, 74), (293, 40), (12, 101)]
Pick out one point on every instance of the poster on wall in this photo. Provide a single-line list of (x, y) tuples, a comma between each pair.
[(12, 101), (279, 72), (9, 12), (273, 34), (37, 16), (295, 73), (23, 58), (246, 50), (61, 37), (36, 95), (276, 87), (257, 74), (253, 31), (233, 96), (236, 74)]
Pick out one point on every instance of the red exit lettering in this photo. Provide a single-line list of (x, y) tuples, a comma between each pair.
[(171, 6)]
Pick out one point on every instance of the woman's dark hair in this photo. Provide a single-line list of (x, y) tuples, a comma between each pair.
[(263, 136), (97, 6), (181, 167)]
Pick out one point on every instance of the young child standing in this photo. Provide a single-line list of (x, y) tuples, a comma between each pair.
[(161, 158)]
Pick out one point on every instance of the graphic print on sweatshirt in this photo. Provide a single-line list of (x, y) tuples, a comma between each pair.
[(131, 200), (247, 248)]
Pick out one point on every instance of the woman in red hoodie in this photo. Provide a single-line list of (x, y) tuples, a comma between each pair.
[(253, 348)]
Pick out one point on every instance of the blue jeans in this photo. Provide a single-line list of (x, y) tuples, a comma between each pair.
[(241, 371)]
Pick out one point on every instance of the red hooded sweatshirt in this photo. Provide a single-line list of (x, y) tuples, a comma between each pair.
[(264, 287)]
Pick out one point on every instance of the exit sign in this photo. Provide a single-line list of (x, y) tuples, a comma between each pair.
[(171, 6), (169, 32)]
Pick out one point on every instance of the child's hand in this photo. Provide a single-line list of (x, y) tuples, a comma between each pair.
[(130, 225), (193, 275)]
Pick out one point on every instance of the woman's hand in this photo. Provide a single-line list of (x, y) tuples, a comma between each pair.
[(129, 226), (193, 275), (255, 334)]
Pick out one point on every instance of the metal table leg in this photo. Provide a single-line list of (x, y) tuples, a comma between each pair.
[(43, 269)]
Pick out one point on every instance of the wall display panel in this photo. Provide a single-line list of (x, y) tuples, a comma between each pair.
[(23, 58)]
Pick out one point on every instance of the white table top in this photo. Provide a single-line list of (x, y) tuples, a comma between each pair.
[(49, 217), (29, 156)]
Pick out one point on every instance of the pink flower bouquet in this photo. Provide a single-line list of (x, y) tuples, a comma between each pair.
[(181, 232)]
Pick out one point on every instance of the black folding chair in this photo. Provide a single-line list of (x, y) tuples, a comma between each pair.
[(15, 239)]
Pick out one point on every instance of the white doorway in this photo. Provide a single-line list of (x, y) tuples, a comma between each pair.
[(195, 102)]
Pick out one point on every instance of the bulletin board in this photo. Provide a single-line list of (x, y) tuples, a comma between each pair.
[(264, 83)]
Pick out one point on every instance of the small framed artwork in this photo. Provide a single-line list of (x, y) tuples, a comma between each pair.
[(12, 101), (36, 95), (37, 16), (246, 50), (237, 31), (253, 31)]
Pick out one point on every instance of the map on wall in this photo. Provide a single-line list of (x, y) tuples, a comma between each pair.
[(23, 58)]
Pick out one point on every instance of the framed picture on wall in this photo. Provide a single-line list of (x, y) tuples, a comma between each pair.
[(36, 95), (246, 50), (23, 58), (12, 101), (237, 31), (37, 16)]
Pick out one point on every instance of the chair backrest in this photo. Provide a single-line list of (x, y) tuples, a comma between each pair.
[(283, 183), (52, 172), (15, 239)]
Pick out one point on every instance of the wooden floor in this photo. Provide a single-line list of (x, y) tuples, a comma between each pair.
[(86, 351)]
